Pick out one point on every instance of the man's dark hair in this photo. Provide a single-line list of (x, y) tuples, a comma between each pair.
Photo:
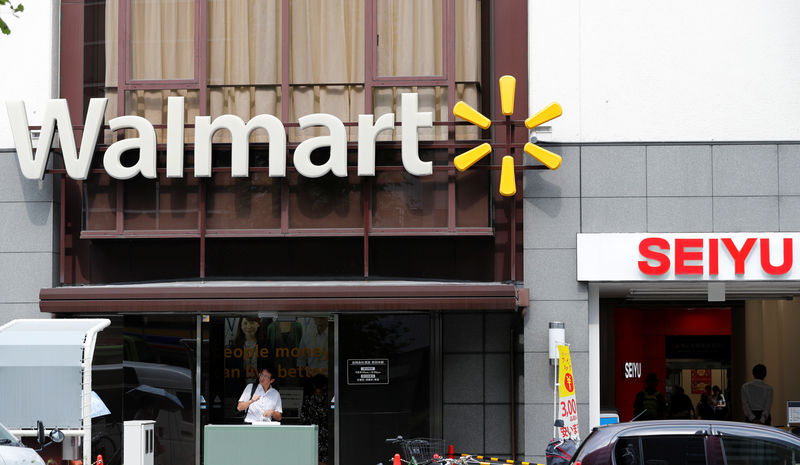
[(266, 366), (759, 371)]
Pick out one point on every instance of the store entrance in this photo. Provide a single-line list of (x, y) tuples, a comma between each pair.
[(360, 377), (699, 368), (685, 348), (299, 350)]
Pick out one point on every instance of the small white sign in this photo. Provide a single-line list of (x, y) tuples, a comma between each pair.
[(793, 412)]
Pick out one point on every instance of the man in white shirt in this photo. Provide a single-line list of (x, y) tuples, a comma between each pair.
[(264, 405), (757, 397)]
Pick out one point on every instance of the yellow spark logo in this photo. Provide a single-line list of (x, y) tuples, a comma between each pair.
[(508, 185)]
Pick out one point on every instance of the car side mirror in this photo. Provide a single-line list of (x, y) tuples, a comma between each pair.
[(39, 432), (56, 435)]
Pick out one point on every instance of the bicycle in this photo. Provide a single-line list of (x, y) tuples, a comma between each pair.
[(418, 451)]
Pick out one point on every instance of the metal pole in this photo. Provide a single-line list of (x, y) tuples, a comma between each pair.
[(555, 399)]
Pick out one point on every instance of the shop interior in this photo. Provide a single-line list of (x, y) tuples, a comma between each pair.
[(690, 344)]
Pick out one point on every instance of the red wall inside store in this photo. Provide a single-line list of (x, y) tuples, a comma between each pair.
[(640, 337)]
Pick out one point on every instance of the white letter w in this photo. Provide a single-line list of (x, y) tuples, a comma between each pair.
[(56, 113)]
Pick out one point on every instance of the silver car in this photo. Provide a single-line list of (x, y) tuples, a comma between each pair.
[(688, 442)]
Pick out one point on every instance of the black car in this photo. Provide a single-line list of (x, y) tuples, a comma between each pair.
[(688, 442)]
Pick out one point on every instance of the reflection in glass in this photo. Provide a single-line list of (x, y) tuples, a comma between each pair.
[(163, 204), (107, 382), (406, 201), (159, 364), (244, 203), (472, 202), (400, 407), (101, 203), (326, 202)]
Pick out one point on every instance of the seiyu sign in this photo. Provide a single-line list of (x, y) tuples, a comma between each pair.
[(687, 257), (78, 163)]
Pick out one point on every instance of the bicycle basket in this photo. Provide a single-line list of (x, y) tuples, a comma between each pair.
[(422, 449)]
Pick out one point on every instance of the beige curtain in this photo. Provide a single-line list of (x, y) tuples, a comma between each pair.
[(409, 37), (468, 59), (326, 47), (162, 39), (162, 48), (410, 44), (244, 59)]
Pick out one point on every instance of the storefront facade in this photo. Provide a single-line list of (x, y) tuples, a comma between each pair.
[(662, 139), (205, 274), (438, 276)]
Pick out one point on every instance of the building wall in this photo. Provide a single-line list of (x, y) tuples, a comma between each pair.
[(28, 232), (30, 58), (673, 71), (632, 188)]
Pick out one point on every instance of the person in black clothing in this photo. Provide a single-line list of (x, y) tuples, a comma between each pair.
[(680, 405), (705, 408), (649, 403)]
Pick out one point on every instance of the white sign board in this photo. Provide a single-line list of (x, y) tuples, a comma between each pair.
[(793, 412), (688, 257)]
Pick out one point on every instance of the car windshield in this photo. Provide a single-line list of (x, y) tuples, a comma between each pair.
[(5, 436)]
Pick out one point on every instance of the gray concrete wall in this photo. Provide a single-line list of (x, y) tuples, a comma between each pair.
[(632, 188), (28, 240), (476, 359)]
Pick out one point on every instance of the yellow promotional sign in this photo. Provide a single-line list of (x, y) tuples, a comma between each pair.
[(567, 405)]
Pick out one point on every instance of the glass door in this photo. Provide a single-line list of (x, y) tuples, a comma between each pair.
[(298, 351), (384, 381)]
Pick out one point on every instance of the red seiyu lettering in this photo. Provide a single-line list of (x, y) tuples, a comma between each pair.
[(682, 256), (787, 257), (739, 256), (713, 257), (645, 251)]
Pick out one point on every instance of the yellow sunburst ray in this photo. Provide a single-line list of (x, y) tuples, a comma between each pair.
[(466, 112), (548, 158), (472, 156), (508, 185), (549, 112)]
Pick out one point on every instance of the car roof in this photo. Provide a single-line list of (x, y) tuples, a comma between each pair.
[(657, 427)]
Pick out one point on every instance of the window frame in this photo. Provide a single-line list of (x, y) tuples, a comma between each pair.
[(371, 81), (127, 83)]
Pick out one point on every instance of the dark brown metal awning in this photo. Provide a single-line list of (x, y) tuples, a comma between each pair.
[(210, 297)]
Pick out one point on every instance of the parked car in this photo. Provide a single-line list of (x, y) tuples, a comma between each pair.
[(13, 452), (688, 442)]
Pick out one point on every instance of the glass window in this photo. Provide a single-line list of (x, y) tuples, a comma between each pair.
[(660, 450), (299, 350), (326, 202), (101, 203), (664, 450), (398, 402), (244, 60), (244, 203), (410, 38), (626, 452), (750, 450), (326, 57), (144, 369), (324, 66), (406, 201), (162, 39), (163, 204)]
